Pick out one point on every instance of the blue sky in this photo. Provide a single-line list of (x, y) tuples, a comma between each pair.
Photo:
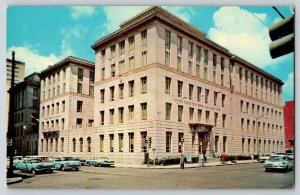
[(42, 36)]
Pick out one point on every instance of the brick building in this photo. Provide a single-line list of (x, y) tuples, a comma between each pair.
[(289, 124)]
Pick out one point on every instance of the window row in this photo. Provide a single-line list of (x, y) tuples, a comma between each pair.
[(55, 91), (261, 127), (131, 90), (120, 110), (55, 108), (262, 147)]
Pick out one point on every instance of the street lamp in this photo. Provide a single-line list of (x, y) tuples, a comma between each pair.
[(256, 122)]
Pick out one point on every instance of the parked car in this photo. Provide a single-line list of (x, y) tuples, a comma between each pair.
[(35, 166), (100, 162), (42, 158), (279, 162), (82, 161), (16, 160), (262, 159), (66, 163)]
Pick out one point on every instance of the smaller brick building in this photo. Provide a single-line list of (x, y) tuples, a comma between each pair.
[(289, 124)]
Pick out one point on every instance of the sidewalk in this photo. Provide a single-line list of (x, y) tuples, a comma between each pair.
[(210, 163), (18, 177)]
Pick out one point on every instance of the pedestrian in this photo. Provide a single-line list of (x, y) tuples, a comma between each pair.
[(201, 159), (181, 161), (252, 158)]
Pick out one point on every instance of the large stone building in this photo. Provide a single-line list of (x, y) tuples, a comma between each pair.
[(19, 76), (27, 100), (159, 77), (67, 106), (289, 124)]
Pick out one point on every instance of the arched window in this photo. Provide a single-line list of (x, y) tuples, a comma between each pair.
[(81, 144), (74, 145), (89, 144)]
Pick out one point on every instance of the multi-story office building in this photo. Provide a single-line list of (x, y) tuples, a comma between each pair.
[(19, 76), (158, 76), (67, 106), (27, 98)]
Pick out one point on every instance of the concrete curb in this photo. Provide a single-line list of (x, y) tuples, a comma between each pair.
[(13, 180)]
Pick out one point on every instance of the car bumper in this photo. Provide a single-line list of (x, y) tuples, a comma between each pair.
[(72, 168), (44, 169)]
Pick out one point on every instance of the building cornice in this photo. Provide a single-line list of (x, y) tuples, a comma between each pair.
[(65, 62)]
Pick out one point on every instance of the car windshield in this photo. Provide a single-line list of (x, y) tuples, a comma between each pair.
[(35, 161), (275, 158), (67, 158)]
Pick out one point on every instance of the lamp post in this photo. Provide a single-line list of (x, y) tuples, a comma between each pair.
[(256, 121)]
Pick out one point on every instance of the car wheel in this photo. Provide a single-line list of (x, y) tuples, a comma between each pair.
[(33, 171), (267, 170), (63, 168), (286, 169), (88, 164)]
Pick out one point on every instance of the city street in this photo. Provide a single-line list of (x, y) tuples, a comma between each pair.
[(243, 176)]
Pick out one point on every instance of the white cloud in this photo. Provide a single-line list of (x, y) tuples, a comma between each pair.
[(244, 34), (116, 15), (288, 87), (34, 61), (82, 11)]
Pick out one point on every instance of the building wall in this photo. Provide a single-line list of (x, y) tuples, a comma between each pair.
[(289, 123)]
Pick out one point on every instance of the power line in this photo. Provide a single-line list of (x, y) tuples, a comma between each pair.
[(278, 12)]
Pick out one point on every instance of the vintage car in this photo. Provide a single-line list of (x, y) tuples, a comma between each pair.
[(34, 166), (262, 159), (279, 162), (100, 162), (81, 160), (66, 163)]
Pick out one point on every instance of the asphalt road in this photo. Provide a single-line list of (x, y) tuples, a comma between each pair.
[(242, 176)]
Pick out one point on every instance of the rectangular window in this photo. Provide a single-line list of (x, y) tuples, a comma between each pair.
[(144, 58), (214, 61), (121, 66), (222, 79), (191, 91), (121, 142), (180, 139), (131, 88), (198, 54), (113, 51), (168, 111), (179, 63), (64, 74), (198, 70), (205, 57), (167, 58), (122, 48), (207, 113), (223, 100), (179, 45), (241, 106), (121, 115), (144, 38), (190, 49), (79, 87), (190, 68), (92, 77), (62, 144), (216, 119), (216, 143), (242, 124), (91, 90), (199, 90), (179, 88), (79, 106), (224, 144), (215, 98), (168, 142), (102, 93), (121, 91), (112, 93), (222, 65), (167, 85), (80, 74), (111, 116), (180, 112), (168, 39), (144, 111), (131, 142), (205, 73), (101, 145), (101, 117), (113, 70), (191, 114), (111, 142), (103, 74), (79, 122), (144, 85), (64, 88), (199, 115), (243, 145), (143, 141), (206, 95), (131, 43), (131, 63), (131, 112)]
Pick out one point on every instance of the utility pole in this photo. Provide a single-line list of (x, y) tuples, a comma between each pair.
[(11, 122)]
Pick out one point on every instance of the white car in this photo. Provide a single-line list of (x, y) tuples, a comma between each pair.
[(279, 162)]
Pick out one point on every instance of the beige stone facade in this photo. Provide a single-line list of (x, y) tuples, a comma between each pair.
[(159, 77), (67, 105)]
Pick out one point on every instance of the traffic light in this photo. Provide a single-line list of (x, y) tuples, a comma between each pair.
[(146, 141), (182, 140), (282, 35), (149, 141)]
